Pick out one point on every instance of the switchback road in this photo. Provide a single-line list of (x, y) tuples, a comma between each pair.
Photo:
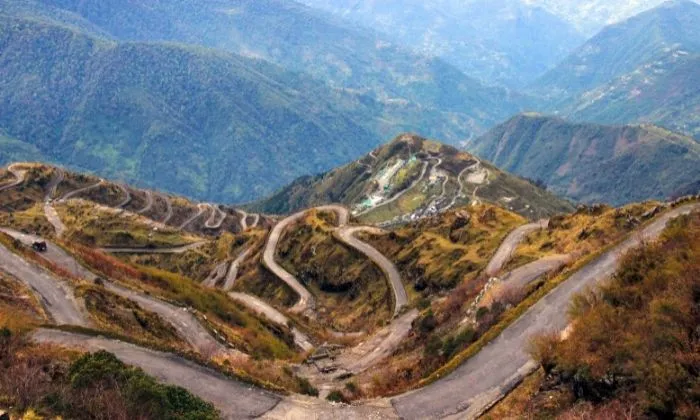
[(505, 251), (56, 296), (346, 235), (481, 380), (19, 175)]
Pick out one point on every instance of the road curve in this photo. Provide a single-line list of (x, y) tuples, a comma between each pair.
[(261, 307), (127, 196), (235, 399), (200, 210), (232, 274), (74, 193), (19, 174), (211, 222), (55, 295), (489, 375), (218, 273), (242, 219), (56, 179), (168, 209), (522, 276), (149, 203), (505, 251), (306, 299), (49, 211), (346, 235)]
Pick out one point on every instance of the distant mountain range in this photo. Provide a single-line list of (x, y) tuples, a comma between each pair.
[(594, 163), (228, 100), (101, 86), (644, 69), (507, 42)]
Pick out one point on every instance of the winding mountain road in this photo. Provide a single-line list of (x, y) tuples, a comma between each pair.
[(186, 324), (200, 210), (464, 393), (211, 222), (149, 203), (460, 192), (127, 197), (49, 211), (235, 399), (18, 173), (507, 247), (168, 209), (261, 307), (491, 373), (55, 295), (218, 273), (306, 299), (75, 193), (232, 274), (346, 235), (243, 216)]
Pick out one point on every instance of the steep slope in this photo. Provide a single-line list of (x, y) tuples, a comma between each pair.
[(302, 39), (198, 122), (410, 178), (12, 150), (590, 162), (589, 16), (507, 42), (666, 92), (624, 47)]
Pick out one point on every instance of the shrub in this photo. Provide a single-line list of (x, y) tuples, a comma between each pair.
[(337, 396)]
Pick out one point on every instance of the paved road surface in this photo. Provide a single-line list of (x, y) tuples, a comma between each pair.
[(127, 196), (149, 203), (216, 274), (306, 299), (380, 346), (174, 250), (346, 234), (484, 378), (505, 251), (522, 276), (58, 176), (50, 212), (56, 296), (200, 210), (19, 175), (261, 307), (168, 209), (74, 193), (242, 215), (232, 274), (211, 222), (235, 399), (187, 326)]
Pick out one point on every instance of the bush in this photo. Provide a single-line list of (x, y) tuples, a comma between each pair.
[(306, 388), (337, 396), (143, 396)]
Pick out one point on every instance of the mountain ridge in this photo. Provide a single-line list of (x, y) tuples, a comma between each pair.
[(590, 162)]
